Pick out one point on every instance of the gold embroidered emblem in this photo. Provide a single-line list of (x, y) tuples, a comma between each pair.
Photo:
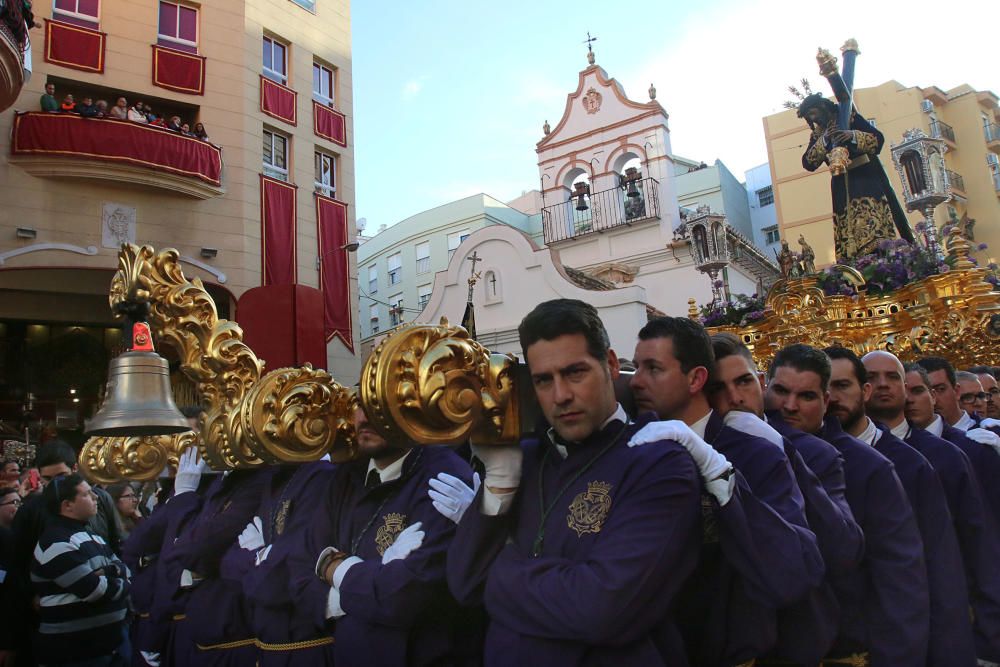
[(281, 516), (390, 529), (589, 509)]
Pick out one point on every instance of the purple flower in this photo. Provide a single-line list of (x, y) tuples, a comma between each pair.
[(981, 246), (717, 284)]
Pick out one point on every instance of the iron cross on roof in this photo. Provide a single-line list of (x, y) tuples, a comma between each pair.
[(589, 40), (473, 275)]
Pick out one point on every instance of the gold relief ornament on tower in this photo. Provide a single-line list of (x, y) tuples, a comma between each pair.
[(435, 385)]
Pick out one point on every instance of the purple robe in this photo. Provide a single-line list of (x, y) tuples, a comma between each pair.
[(885, 606), (978, 536), (280, 617), (619, 542), (399, 613), (215, 611), (985, 461)]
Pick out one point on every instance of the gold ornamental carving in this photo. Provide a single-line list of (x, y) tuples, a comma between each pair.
[(110, 460)]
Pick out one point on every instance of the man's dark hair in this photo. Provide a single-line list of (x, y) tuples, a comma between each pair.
[(802, 358), (725, 344), (61, 489), (919, 370), (55, 452), (692, 346), (7, 462), (840, 352), (983, 370), (560, 317), (931, 364), (816, 100)]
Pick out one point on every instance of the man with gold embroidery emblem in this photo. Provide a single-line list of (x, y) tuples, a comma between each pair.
[(865, 208), (373, 564), (763, 555), (576, 543)]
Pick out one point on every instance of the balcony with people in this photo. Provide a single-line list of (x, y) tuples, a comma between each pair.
[(86, 131)]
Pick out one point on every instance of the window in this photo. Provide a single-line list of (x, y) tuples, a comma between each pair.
[(275, 155), (275, 60), (178, 26), (396, 310), (79, 12), (494, 293), (323, 85), (306, 4), (325, 178), (424, 257), (373, 317), (395, 269), (771, 235), (372, 279), (455, 239), (424, 294), (765, 196)]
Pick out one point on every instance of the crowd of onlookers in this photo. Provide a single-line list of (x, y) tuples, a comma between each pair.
[(136, 113)]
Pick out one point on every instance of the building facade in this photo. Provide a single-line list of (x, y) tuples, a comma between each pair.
[(266, 200), (966, 119), (763, 212)]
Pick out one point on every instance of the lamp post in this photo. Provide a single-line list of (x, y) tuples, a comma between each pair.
[(919, 161)]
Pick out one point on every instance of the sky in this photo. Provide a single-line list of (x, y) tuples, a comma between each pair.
[(450, 97)]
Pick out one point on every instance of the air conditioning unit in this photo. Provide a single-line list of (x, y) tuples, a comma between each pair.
[(927, 106)]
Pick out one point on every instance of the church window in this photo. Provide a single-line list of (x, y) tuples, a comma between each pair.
[(765, 196), (424, 257), (178, 26), (395, 263), (494, 291), (275, 155), (275, 57)]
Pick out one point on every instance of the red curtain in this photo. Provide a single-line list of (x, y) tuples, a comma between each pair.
[(278, 101), (329, 124), (176, 70), (110, 140), (277, 235), (74, 46), (334, 269)]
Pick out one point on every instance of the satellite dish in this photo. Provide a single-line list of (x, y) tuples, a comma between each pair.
[(361, 223)]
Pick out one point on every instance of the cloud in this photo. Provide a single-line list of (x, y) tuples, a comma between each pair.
[(412, 88)]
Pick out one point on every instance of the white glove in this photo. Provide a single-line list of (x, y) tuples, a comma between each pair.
[(252, 537), (989, 422), (262, 555), (715, 469), (987, 663), (751, 424), (189, 471), (451, 496), (405, 543), (151, 658), (501, 464), (984, 437), (333, 608)]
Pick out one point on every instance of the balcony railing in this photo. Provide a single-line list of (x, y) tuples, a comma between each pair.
[(992, 135), (996, 183), (605, 210), (956, 181), (942, 130), (53, 144)]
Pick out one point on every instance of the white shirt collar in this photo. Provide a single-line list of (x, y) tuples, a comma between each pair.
[(871, 434), (391, 472), (618, 414), (901, 430), (700, 425), (965, 422), (937, 426)]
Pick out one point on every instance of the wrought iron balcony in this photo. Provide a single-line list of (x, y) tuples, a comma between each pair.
[(942, 130), (992, 136), (69, 145), (604, 210), (956, 181)]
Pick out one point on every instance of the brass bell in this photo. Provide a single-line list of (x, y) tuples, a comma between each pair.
[(138, 399)]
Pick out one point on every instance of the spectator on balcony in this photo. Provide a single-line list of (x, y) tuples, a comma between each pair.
[(186, 130), (174, 124), (86, 108), (148, 110), (68, 105), (101, 108), (136, 114), (120, 109), (199, 131), (48, 101)]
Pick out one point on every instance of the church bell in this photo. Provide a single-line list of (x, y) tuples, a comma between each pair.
[(138, 400)]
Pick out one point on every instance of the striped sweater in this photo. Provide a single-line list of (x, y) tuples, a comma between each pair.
[(83, 593)]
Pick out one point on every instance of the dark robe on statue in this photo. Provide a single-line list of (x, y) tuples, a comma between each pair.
[(865, 208), (290, 626), (618, 545), (399, 613), (951, 641), (978, 537), (758, 556), (885, 606)]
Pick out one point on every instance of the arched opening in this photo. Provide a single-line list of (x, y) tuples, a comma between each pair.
[(913, 168), (700, 243), (580, 218), (494, 288)]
